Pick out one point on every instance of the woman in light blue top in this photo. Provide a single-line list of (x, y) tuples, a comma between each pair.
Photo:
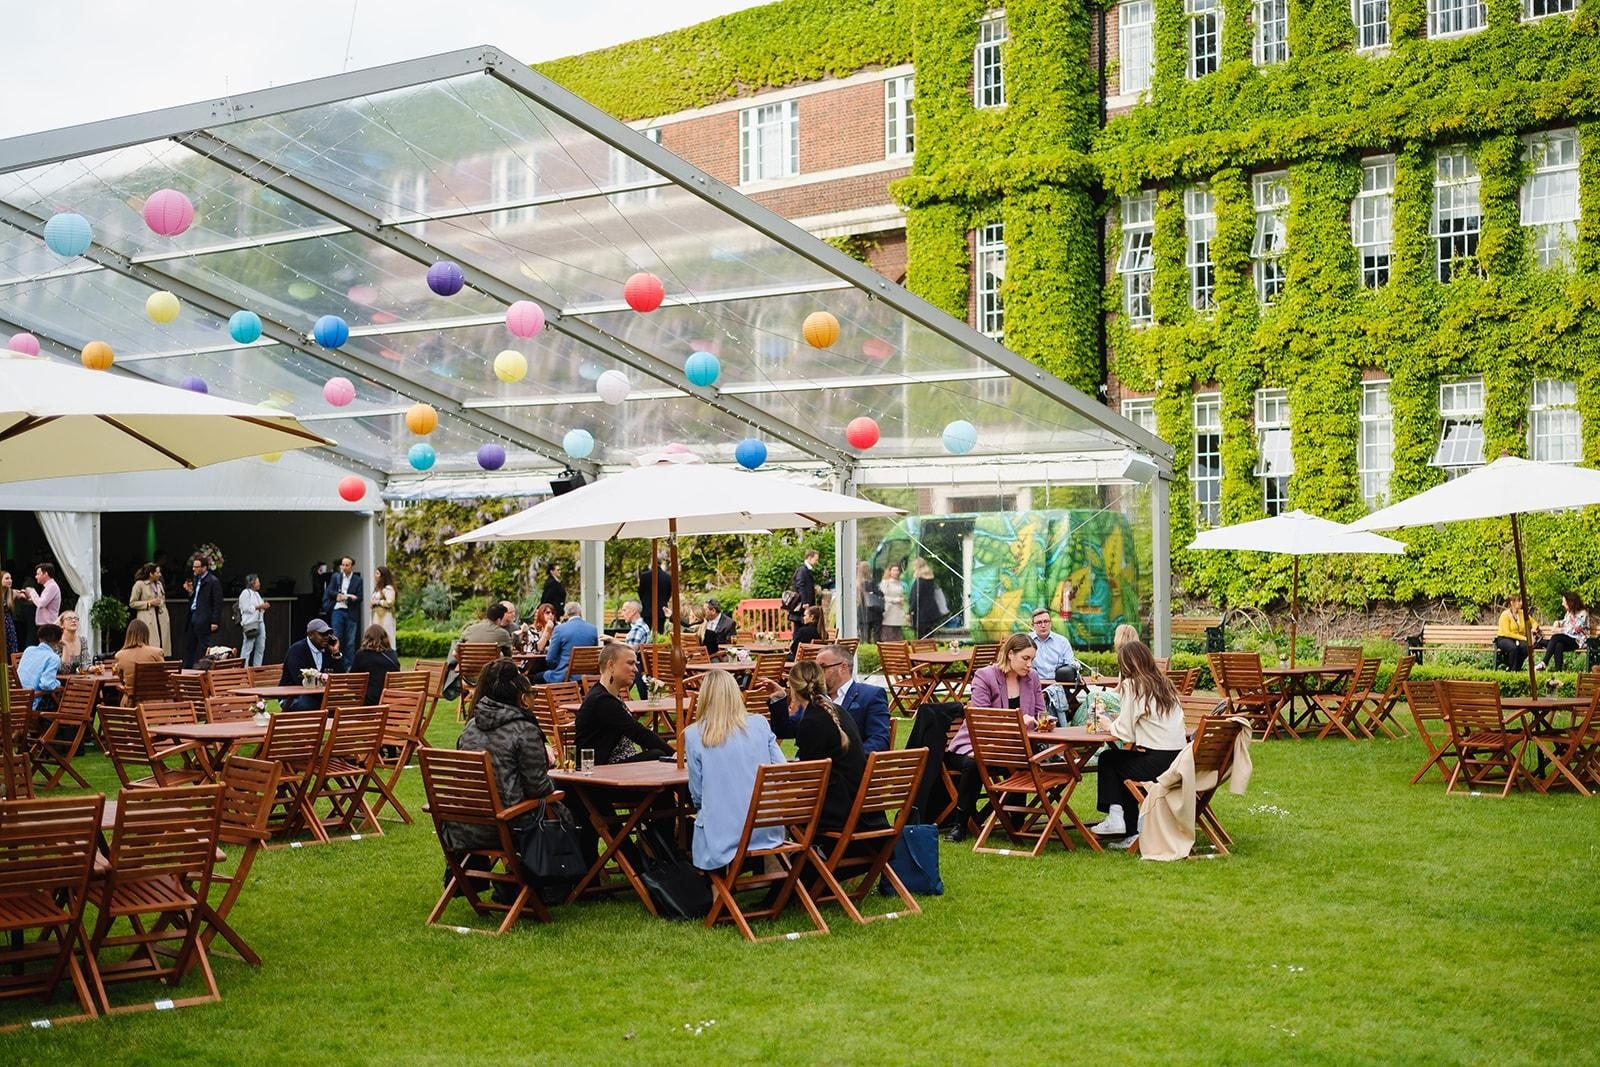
[(722, 750)]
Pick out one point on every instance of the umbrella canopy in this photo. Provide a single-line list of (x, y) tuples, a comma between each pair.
[(1508, 486), (678, 497), (58, 420)]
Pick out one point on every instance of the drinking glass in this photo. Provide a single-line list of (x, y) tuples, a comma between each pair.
[(586, 761)]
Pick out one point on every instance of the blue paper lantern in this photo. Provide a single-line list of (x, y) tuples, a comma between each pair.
[(331, 331), (579, 443), (68, 234), (422, 456), (445, 278), (194, 383), (245, 327), (491, 457), (960, 437), (750, 453), (702, 368)]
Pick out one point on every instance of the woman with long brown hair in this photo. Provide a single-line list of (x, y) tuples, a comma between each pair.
[(149, 601), (824, 732), (1149, 726), (136, 648)]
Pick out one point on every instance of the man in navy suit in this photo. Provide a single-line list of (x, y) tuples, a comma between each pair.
[(205, 610), (341, 602), (867, 704)]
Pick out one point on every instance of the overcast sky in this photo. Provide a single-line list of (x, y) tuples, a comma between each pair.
[(72, 61)]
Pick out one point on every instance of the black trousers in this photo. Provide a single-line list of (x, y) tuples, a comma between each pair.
[(1557, 648), (967, 784), (1117, 764), (1514, 651)]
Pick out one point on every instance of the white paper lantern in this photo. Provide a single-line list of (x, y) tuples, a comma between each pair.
[(613, 387)]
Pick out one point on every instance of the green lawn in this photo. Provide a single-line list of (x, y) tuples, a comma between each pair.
[(1361, 919)]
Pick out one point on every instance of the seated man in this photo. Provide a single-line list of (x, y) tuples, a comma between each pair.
[(717, 629), (1054, 660), (637, 637), (574, 630), (489, 629), (867, 704), (37, 668), (320, 649)]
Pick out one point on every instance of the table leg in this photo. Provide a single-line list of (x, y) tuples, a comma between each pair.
[(613, 844)]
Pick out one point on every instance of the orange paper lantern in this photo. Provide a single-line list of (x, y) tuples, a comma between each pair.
[(820, 329), (421, 419), (97, 355)]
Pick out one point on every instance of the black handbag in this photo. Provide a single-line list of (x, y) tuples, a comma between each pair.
[(1067, 674), (678, 889), (550, 850)]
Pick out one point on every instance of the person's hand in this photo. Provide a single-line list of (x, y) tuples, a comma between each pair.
[(765, 685), (213, 627), (263, 606)]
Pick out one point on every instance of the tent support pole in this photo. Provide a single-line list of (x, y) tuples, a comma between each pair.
[(677, 629), (1160, 566)]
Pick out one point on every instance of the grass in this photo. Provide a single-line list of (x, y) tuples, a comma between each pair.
[(1361, 919)]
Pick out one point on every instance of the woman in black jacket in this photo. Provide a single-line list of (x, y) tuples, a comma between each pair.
[(926, 618), (502, 726), (553, 593), (825, 732), (375, 659)]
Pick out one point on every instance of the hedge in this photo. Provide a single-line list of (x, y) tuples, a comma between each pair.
[(424, 644)]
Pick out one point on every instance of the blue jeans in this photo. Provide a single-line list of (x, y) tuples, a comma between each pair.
[(344, 627), (254, 649)]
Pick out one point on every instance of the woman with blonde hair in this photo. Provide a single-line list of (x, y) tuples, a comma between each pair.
[(1124, 634), (1150, 729), (926, 614), (894, 605), (822, 731), (75, 654), (722, 750)]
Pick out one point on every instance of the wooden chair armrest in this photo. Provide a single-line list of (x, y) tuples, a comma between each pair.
[(1046, 753), (517, 811)]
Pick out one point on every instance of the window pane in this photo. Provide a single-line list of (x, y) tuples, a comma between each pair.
[(1137, 44)]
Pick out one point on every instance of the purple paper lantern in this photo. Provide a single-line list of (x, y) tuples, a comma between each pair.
[(491, 457), (445, 278), (194, 383)]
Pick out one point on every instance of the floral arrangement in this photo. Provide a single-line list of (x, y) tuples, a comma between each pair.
[(210, 552)]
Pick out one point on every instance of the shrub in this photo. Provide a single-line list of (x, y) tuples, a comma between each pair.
[(435, 600), (423, 644)]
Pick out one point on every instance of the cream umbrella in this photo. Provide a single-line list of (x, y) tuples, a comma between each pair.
[(1296, 533), (1507, 487)]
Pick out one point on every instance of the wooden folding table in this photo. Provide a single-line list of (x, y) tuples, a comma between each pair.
[(619, 797)]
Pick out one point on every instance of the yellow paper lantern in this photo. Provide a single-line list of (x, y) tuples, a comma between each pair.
[(272, 457), (97, 355), (421, 419), (162, 307), (510, 366), (820, 329)]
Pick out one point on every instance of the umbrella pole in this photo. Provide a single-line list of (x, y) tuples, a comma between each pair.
[(1294, 611), (1527, 611), (677, 636)]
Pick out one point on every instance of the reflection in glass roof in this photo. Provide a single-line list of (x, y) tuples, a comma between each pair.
[(333, 197)]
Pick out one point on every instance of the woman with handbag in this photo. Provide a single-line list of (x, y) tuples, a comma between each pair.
[(722, 750), (894, 604), (149, 602), (1150, 729)]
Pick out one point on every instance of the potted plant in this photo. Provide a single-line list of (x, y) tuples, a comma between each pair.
[(109, 616)]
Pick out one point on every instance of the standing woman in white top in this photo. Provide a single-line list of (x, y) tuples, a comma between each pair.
[(894, 604), (1150, 728), (252, 621), (382, 602)]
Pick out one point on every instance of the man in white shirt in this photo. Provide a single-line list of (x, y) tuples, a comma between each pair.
[(1053, 652), (342, 601)]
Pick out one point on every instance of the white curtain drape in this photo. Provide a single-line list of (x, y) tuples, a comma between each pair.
[(74, 541)]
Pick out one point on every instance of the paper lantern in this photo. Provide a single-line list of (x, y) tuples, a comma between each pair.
[(331, 331), (960, 437), (510, 366), (613, 387), (644, 291), (168, 212), (750, 453), (421, 456), (162, 307), (26, 343), (421, 419), (352, 488), (524, 318), (862, 433), (590, 371), (338, 391), (245, 327), (876, 349), (491, 457), (579, 443), (194, 383), (445, 278), (702, 368), (820, 329), (271, 457), (303, 290), (97, 355), (68, 234), (361, 293)]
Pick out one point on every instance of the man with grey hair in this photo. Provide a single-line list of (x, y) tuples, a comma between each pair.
[(637, 637), (573, 631)]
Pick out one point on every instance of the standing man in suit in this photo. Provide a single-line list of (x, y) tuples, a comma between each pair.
[(341, 602), (205, 609), (656, 586), (867, 704), (805, 584)]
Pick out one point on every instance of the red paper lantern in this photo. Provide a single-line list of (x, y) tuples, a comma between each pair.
[(862, 433), (644, 292), (352, 488)]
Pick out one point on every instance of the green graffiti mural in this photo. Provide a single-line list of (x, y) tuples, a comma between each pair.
[(1079, 561)]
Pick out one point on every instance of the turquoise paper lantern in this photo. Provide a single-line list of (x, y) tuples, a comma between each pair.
[(960, 437), (422, 456), (68, 234), (750, 453), (702, 368), (245, 327), (579, 443)]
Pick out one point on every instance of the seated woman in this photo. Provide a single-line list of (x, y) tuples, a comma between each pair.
[(604, 724), (535, 639), (1008, 682), (722, 750), (1511, 636), (822, 731), (1571, 633), (809, 632), (73, 646), (136, 648), (376, 659), (1150, 727)]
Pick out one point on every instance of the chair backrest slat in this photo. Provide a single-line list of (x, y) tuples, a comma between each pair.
[(248, 786), (344, 690), (48, 844), (166, 832), (1471, 705), (294, 738), (460, 785), (998, 737), (166, 713), (788, 794), (890, 779)]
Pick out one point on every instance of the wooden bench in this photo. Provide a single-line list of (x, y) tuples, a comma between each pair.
[(759, 616), (1204, 628), (1436, 636)]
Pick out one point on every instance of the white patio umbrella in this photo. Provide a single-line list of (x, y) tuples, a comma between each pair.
[(1507, 487), (1296, 533), (673, 493), (57, 420)]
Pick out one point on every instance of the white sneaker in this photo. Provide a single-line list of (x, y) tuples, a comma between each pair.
[(1122, 844), (1540, 665), (1111, 826)]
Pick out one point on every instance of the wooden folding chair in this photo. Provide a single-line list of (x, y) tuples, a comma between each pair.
[(435, 669), (222, 681), (1240, 681), (1378, 708), (860, 853), (167, 712), (787, 796), (227, 663), (461, 792), (266, 674), (248, 786), (471, 658), (163, 851), (983, 655), (1343, 710), (585, 663), (62, 737), (1427, 712), (849, 644), (129, 745), (1029, 797), (230, 708), (1563, 748), (47, 849), (806, 652), (344, 691), (1183, 681), (560, 728), (1213, 744), (153, 682), (190, 686), (908, 682), (16, 768), (345, 773), (294, 743), (402, 736), (1488, 749)]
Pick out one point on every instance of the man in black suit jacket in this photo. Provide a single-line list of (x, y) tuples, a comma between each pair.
[(867, 704), (205, 610), (805, 584), (658, 584), (341, 603), (319, 649)]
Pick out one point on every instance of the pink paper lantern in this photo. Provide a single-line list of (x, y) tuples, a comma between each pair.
[(26, 343), (524, 318), (339, 391), (168, 212), (862, 432), (644, 292), (352, 488)]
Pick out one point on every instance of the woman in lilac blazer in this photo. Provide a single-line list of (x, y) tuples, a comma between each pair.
[(1011, 678)]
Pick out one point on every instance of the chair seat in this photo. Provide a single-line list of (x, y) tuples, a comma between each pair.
[(166, 893), (1489, 739), (1022, 782), (19, 911)]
